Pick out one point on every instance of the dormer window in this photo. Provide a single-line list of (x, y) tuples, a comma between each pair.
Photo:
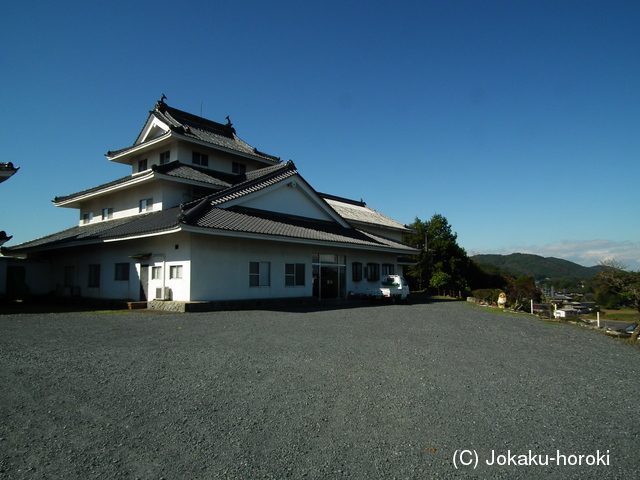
[(146, 205), (201, 159), (142, 165), (165, 157), (239, 168)]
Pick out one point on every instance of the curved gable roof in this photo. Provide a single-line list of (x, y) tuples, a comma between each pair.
[(191, 126), (359, 212)]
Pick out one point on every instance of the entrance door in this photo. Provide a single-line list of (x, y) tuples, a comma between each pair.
[(144, 283), (329, 278)]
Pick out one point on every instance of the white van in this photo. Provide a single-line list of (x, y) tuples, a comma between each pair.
[(566, 313)]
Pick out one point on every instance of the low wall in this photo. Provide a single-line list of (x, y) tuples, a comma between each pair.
[(182, 307)]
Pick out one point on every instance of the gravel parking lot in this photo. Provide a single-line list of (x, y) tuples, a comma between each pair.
[(370, 392)]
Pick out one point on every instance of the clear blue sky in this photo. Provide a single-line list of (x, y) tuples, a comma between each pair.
[(516, 120)]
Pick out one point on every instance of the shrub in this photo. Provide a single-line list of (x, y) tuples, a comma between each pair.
[(488, 295)]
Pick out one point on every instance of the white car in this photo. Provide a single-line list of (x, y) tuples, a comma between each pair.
[(392, 287), (566, 313)]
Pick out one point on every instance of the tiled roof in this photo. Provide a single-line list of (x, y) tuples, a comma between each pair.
[(198, 174), (256, 180), (198, 128), (147, 223), (254, 221), (172, 169), (355, 211), (88, 191), (233, 219)]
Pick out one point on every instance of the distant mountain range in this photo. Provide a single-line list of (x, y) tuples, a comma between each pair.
[(539, 267)]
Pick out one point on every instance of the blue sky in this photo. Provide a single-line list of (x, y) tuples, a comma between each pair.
[(516, 120)]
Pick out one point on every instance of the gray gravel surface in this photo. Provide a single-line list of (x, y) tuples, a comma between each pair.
[(369, 392)]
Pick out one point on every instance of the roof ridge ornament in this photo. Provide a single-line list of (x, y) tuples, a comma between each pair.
[(229, 125), (160, 103)]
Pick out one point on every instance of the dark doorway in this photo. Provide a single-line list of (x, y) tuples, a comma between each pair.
[(17, 288), (329, 278), (144, 283)]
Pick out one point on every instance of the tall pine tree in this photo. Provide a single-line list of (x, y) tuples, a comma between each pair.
[(442, 263)]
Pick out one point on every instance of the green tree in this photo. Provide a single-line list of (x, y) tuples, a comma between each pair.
[(439, 280), (418, 275), (442, 263), (483, 276), (520, 291)]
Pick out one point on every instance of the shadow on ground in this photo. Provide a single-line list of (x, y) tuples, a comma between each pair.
[(41, 306)]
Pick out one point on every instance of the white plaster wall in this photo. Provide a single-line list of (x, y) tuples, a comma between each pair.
[(165, 255), (37, 274), (164, 251), (365, 257), (153, 156), (106, 257), (213, 267), (283, 198), (220, 268), (220, 161), (124, 202)]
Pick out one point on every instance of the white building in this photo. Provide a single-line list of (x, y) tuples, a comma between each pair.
[(203, 216)]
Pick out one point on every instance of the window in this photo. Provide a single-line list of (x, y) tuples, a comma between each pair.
[(107, 213), (294, 274), (373, 272), (68, 276), (156, 273), (87, 217), (122, 271), (259, 274), (165, 157), (238, 168), (195, 193), (94, 276), (356, 271), (146, 205), (142, 165), (200, 159), (387, 269), (175, 271)]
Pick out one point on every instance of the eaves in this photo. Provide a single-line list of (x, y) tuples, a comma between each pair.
[(296, 240), (147, 176), (126, 182), (94, 241), (404, 229), (125, 152), (120, 154)]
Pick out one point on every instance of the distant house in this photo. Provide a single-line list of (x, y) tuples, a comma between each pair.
[(204, 216)]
